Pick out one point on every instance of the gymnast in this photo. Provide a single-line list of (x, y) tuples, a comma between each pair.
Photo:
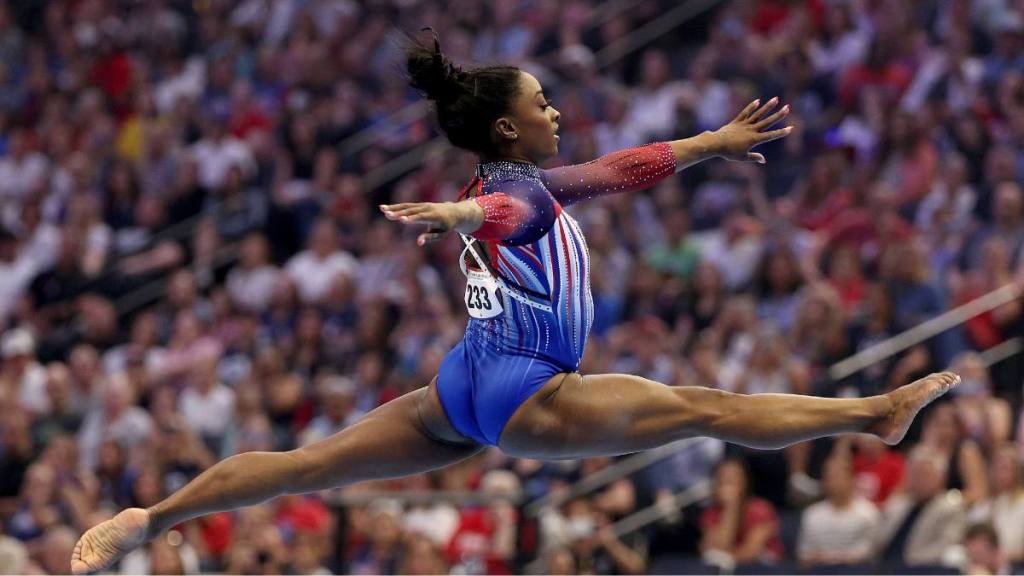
[(513, 381)]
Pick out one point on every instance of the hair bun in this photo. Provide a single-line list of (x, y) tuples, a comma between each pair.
[(432, 73)]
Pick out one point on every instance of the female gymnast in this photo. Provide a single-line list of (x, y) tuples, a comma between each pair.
[(513, 380)]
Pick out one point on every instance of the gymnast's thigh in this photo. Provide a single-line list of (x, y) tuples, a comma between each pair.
[(576, 416)]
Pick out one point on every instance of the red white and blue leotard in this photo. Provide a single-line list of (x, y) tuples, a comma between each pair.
[(540, 257)]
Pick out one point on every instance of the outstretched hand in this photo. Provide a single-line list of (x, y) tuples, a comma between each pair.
[(748, 129), (440, 218)]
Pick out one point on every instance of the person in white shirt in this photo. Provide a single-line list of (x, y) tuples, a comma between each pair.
[(19, 265), (652, 110), (207, 405), (22, 170), (19, 363), (840, 529), (313, 270), (117, 418), (217, 152), (251, 283)]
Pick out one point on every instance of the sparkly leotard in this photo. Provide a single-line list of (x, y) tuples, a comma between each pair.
[(538, 255)]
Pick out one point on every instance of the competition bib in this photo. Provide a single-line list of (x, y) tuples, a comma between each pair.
[(483, 295)]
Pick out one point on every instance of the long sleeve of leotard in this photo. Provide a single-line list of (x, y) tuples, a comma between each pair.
[(521, 212), (623, 171)]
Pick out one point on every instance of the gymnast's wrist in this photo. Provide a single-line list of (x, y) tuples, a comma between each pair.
[(469, 216), (710, 144)]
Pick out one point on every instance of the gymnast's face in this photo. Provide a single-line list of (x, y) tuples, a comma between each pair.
[(529, 129)]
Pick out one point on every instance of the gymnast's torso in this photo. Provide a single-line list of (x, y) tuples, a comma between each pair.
[(528, 282)]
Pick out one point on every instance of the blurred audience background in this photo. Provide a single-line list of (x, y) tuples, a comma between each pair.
[(193, 266)]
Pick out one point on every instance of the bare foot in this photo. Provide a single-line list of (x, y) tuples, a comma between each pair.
[(907, 401), (107, 542)]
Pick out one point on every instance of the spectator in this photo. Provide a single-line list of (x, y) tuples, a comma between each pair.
[(920, 524), (22, 169), (117, 418), (66, 410), (966, 463), (1005, 509), (596, 548), (314, 269), (337, 399), (981, 543), (744, 527), (840, 529), (23, 372), (251, 283), (218, 152), (207, 405), (984, 417)]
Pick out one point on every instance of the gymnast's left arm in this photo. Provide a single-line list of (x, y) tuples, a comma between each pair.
[(642, 167)]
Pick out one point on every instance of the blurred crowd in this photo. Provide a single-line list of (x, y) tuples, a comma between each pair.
[(193, 266)]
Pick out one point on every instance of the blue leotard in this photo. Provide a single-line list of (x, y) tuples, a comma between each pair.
[(538, 256)]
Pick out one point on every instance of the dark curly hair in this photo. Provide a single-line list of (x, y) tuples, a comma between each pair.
[(467, 101)]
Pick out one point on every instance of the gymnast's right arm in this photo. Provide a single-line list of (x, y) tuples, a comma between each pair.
[(520, 213)]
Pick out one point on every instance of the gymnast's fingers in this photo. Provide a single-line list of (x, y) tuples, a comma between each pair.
[(431, 236), (779, 115), (746, 111), (757, 114), (773, 135)]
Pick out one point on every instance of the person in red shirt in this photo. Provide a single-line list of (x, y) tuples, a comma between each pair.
[(877, 469), (738, 524)]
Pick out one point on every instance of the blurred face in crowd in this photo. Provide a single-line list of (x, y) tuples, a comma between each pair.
[(654, 68), (730, 482), (254, 251), (339, 400), (423, 557), (926, 475), (146, 489), (845, 265), (117, 396), (838, 479), (1009, 203), (38, 485), (941, 428), (58, 383), (111, 459), (982, 548), (144, 329), (385, 531), (187, 328), (181, 290), (323, 239)]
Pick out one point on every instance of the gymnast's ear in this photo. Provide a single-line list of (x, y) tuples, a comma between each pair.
[(505, 130)]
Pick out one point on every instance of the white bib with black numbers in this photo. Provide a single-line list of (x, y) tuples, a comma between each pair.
[(483, 295), (484, 292)]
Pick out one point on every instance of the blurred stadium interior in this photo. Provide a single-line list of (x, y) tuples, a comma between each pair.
[(192, 265)]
